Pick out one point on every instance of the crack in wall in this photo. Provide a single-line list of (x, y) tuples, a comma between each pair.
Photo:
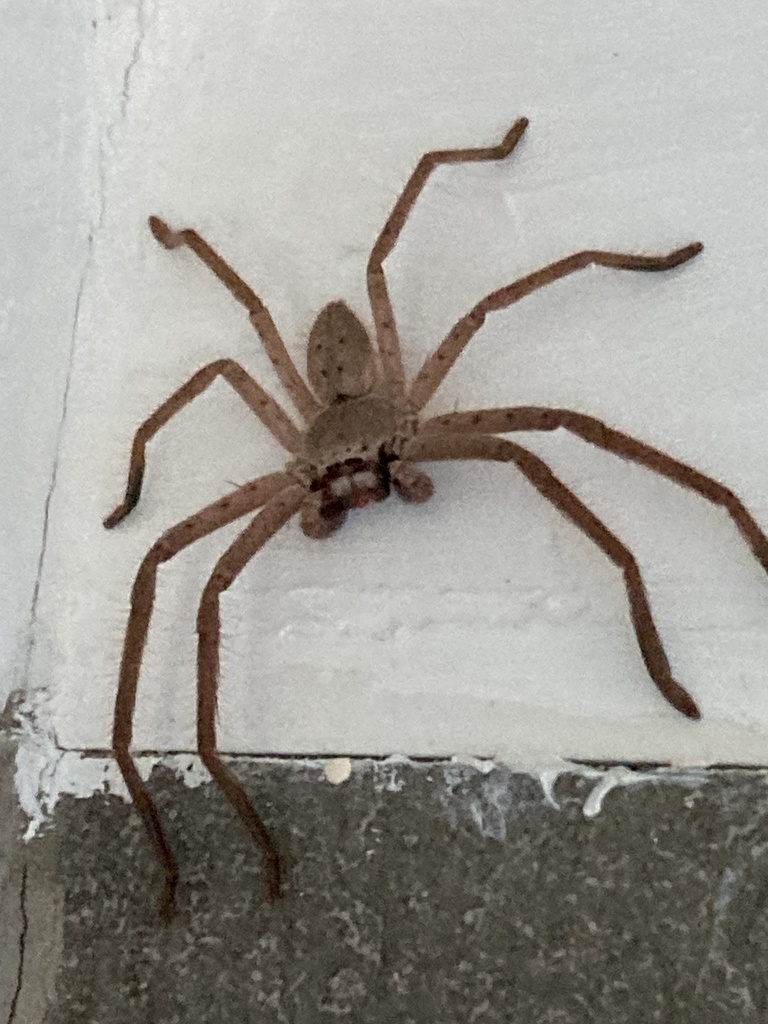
[(39, 733), (96, 226), (141, 31), (56, 460), (22, 947)]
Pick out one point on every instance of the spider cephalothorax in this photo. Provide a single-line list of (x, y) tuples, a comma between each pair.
[(361, 438), (351, 454)]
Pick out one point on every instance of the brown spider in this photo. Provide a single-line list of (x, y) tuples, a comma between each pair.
[(361, 438)]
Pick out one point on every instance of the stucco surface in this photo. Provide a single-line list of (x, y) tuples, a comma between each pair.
[(414, 892)]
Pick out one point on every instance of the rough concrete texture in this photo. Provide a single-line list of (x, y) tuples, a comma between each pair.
[(417, 893)]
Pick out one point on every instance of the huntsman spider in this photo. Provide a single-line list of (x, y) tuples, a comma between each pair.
[(362, 436)]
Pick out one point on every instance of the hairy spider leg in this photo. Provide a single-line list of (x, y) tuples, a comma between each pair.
[(273, 516), (262, 404), (387, 337), (442, 446), (220, 513), (258, 313), (593, 430), (435, 369)]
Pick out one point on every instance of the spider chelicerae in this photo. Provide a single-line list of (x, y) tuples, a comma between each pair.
[(361, 437)]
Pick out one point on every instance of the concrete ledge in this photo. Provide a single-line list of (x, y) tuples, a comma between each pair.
[(417, 893)]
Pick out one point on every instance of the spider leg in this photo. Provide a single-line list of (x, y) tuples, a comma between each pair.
[(258, 313), (381, 306), (262, 404), (274, 515), (435, 369), (440, 445), (209, 519), (501, 421)]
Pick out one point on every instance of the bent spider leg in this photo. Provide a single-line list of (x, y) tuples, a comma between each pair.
[(381, 305), (274, 515), (262, 404), (593, 430), (426, 447), (435, 369), (209, 519), (258, 313)]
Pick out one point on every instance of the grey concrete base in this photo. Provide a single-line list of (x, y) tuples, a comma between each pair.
[(424, 893)]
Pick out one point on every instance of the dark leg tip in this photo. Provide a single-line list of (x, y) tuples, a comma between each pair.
[(684, 702), (117, 516), (685, 254), (161, 232), (513, 135), (167, 903), (132, 495), (273, 887)]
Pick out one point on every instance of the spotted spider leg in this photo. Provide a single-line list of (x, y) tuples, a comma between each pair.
[(593, 430), (435, 369), (285, 504), (381, 306), (442, 446), (465, 425), (263, 405), (216, 515), (258, 313)]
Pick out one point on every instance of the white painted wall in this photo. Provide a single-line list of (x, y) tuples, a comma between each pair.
[(46, 126), (284, 131)]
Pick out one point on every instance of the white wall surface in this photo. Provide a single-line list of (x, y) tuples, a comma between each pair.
[(284, 131), (44, 256)]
